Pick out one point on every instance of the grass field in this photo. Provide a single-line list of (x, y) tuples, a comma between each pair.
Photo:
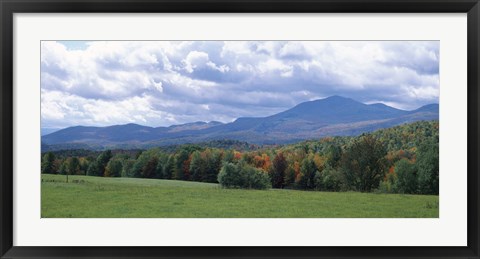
[(97, 197)]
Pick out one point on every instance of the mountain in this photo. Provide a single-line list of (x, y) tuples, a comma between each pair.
[(193, 126), (46, 131), (332, 116), (131, 132), (317, 114)]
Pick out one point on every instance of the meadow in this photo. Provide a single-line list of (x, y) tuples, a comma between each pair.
[(110, 197)]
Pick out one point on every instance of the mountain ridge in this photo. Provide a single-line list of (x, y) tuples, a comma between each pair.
[(331, 116)]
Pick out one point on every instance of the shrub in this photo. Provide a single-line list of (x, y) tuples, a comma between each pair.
[(387, 185), (243, 175)]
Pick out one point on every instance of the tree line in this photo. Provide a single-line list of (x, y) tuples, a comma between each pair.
[(402, 159)]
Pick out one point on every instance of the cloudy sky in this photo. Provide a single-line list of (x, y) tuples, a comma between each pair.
[(160, 83)]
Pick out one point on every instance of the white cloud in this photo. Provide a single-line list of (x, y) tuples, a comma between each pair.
[(293, 49), (236, 48), (195, 59), (198, 60), (275, 65), (166, 82), (61, 109)]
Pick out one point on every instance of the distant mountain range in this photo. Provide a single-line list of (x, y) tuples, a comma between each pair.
[(332, 116)]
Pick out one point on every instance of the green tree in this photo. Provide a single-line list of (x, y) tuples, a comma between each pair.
[(332, 179), (169, 167), (363, 164), (229, 156), (198, 167), (279, 166), (307, 174), (242, 175), (149, 169), (334, 154), (146, 164), (214, 164), (289, 176), (63, 169), (114, 167), (159, 170), (48, 163), (97, 167), (229, 176), (102, 160), (406, 177), (127, 166), (73, 165), (428, 167), (181, 171), (94, 169), (84, 164)]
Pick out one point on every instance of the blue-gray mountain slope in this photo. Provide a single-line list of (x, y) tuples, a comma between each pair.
[(332, 116)]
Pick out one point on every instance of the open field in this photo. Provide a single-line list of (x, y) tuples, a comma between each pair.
[(100, 197)]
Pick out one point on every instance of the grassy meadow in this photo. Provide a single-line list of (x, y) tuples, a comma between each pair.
[(105, 197)]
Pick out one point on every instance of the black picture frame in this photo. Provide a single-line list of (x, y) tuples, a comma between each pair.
[(10, 7)]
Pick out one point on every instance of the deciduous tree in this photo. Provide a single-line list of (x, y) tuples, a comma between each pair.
[(363, 164), (428, 167)]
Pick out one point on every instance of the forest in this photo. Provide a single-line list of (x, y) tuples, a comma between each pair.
[(401, 159)]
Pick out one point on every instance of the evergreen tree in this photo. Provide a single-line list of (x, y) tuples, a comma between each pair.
[(180, 170), (334, 154), (279, 166), (307, 174), (63, 168), (102, 161), (198, 167), (169, 167), (146, 164), (97, 167), (149, 169), (289, 176), (73, 165), (94, 169), (48, 164), (214, 166)]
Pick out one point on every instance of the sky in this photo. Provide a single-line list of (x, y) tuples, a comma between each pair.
[(162, 83)]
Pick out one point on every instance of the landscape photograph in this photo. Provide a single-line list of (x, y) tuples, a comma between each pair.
[(240, 129)]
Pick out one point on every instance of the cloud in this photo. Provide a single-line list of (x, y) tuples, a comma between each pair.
[(159, 83), (61, 109)]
